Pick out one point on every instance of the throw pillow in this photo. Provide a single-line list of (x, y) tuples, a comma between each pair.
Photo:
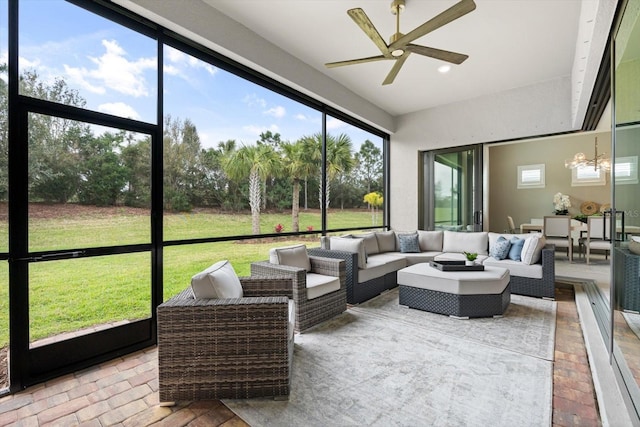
[(532, 249), (218, 281), (516, 249), (500, 249), (353, 246), (430, 241), (293, 256), (409, 243), (386, 241), (370, 242)]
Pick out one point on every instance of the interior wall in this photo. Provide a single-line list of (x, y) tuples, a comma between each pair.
[(524, 204), (540, 109)]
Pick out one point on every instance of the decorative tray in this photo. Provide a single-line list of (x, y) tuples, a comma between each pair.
[(455, 266)]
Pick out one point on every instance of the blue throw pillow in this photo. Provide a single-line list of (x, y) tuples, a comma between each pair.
[(500, 248), (409, 243), (516, 248)]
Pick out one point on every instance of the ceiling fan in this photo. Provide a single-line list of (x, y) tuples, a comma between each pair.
[(400, 46)]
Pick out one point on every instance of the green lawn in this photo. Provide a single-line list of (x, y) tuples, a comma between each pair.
[(75, 294)]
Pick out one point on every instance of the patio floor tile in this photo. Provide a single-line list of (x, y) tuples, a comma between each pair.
[(124, 391)]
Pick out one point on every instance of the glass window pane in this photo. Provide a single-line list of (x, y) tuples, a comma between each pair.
[(183, 262), (355, 185), (233, 154), (95, 63), (88, 186), (76, 297)]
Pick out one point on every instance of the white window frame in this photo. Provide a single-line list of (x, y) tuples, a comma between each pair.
[(633, 176), (577, 181), (524, 183)]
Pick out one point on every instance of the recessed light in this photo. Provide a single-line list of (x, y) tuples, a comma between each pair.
[(444, 68)]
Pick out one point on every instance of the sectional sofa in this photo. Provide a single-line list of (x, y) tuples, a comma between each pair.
[(373, 259)]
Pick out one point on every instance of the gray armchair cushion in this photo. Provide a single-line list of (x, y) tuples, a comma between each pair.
[(293, 256)]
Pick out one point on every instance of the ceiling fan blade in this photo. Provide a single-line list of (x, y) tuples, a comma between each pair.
[(454, 12), (355, 61), (444, 55), (396, 68), (363, 21)]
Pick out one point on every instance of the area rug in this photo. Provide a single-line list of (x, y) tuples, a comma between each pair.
[(380, 364)]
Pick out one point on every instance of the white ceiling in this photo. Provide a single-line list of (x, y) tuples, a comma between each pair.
[(510, 44)]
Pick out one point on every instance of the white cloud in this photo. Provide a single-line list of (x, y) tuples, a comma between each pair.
[(180, 59), (119, 109), (171, 70), (257, 130), (174, 55), (196, 63), (301, 117), (114, 71), (333, 124), (76, 75), (25, 63), (253, 100), (277, 112)]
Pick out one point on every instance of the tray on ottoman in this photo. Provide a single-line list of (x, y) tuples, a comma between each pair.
[(455, 266)]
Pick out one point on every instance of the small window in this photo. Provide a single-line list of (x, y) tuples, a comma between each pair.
[(531, 176), (626, 170), (587, 175)]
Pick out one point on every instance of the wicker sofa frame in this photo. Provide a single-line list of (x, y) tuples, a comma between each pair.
[(627, 280), (360, 292), (540, 288), (310, 312), (226, 348)]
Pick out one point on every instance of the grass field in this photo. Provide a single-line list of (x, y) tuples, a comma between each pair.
[(74, 294)]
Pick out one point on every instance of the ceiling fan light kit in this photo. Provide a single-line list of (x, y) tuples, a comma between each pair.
[(400, 46)]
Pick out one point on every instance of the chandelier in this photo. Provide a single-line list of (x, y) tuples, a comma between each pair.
[(599, 161)]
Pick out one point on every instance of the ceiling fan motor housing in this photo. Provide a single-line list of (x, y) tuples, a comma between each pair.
[(397, 6)]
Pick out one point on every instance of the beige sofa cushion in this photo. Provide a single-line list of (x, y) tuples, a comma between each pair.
[(380, 264), (386, 241), (516, 268), (370, 242), (430, 240), (477, 242), (353, 245)]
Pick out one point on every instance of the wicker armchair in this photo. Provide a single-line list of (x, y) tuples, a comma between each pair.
[(310, 312), (226, 348)]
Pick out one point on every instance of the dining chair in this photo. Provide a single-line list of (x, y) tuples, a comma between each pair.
[(598, 235), (557, 230), (511, 225)]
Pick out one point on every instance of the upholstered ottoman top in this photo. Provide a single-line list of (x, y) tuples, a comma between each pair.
[(493, 280)]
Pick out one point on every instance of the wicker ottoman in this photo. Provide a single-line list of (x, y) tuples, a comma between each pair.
[(460, 294)]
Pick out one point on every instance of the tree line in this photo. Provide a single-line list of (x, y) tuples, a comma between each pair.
[(69, 163)]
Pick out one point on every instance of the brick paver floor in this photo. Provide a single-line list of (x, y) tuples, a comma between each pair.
[(574, 398), (123, 392)]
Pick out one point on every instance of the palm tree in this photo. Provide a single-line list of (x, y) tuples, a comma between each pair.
[(255, 162), (339, 159), (299, 164)]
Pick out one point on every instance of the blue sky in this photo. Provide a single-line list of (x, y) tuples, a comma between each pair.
[(114, 69)]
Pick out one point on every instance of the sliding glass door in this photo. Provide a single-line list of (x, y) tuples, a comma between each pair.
[(452, 189), (625, 303)]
